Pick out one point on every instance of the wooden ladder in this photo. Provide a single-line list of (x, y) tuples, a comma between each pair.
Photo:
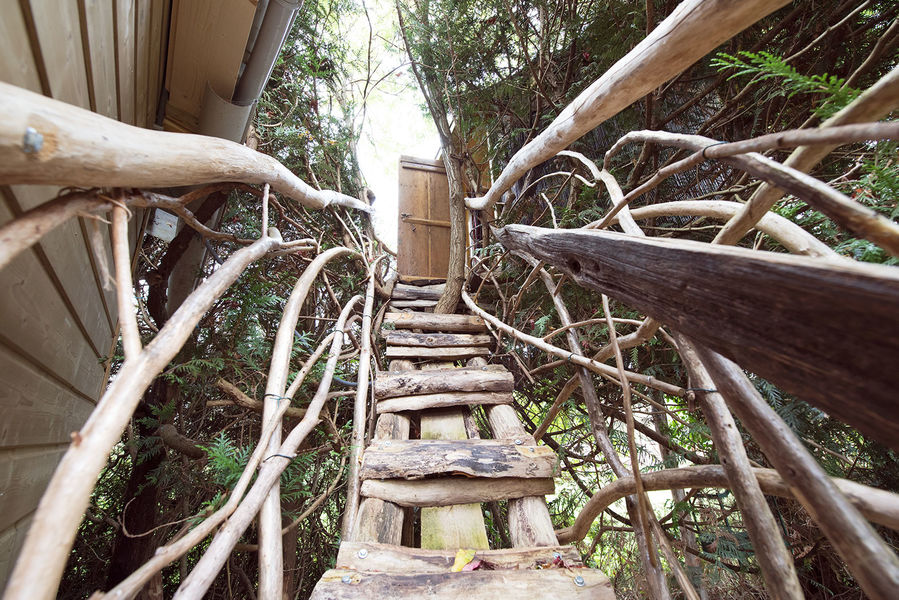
[(447, 474)]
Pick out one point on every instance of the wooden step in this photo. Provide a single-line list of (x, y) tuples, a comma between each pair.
[(421, 352), (416, 459), (387, 558), (338, 584), (446, 491), (434, 340), (442, 400), (412, 304), (468, 379), (432, 322), (402, 291)]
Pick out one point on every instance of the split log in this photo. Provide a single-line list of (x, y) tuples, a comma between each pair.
[(384, 558), (447, 491), (433, 322), (416, 459), (411, 383), (412, 304), (403, 291), (721, 296), (457, 353), (338, 584), (443, 340), (425, 401), (84, 149)]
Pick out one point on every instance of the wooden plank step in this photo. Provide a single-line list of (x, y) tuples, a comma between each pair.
[(468, 379), (432, 322), (416, 459), (433, 340), (446, 491), (426, 401), (402, 291), (412, 304), (337, 584), (387, 558), (422, 352)]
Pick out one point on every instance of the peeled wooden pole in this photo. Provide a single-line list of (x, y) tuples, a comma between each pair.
[(878, 506), (874, 103), (43, 557), (270, 555), (359, 410), (81, 148), (692, 30), (870, 560), (197, 583)]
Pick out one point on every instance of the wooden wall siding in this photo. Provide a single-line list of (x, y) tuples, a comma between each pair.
[(423, 227), (207, 43), (56, 320)]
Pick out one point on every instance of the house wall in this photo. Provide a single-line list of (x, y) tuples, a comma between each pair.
[(57, 322)]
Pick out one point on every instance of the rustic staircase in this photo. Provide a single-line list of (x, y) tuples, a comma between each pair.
[(447, 473)]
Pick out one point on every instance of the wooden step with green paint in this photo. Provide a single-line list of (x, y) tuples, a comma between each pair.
[(417, 459)]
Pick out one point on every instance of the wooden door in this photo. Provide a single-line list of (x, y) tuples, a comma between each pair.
[(423, 228)]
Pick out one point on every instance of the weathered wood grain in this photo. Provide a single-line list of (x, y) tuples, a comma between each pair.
[(454, 353), (425, 401), (818, 329), (403, 291), (412, 383), (471, 585), (415, 459), (444, 340), (384, 558), (447, 491), (432, 322)]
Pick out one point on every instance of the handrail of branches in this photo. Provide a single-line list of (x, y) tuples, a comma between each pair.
[(676, 43), (85, 149), (43, 557), (878, 506)]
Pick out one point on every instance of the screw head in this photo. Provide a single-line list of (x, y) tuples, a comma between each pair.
[(579, 581), (387, 443), (33, 141), (362, 553), (346, 579), (518, 442)]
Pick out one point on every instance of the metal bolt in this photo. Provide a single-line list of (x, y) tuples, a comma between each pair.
[(348, 579), (362, 553), (518, 442), (387, 443), (557, 555), (579, 581), (33, 141)]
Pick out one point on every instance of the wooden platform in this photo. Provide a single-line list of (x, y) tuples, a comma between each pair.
[(440, 377)]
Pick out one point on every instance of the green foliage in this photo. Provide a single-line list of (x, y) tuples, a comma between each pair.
[(764, 66)]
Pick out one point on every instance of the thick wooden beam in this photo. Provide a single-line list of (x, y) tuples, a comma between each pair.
[(407, 338), (447, 491), (412, 383), (416, 459), (823, 330), (425, 401), (454, 353), (432, 322), (339, 584)]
